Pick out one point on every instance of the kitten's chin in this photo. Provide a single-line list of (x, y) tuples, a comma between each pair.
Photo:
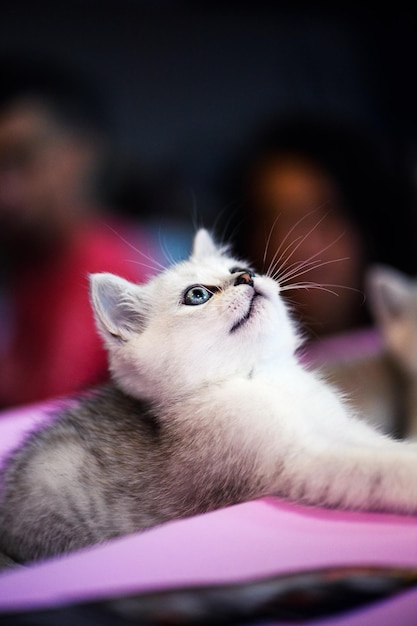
[(264, 333), (251, 312)]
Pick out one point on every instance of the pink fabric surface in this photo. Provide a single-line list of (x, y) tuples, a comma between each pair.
[(55, 348), (242, 542)]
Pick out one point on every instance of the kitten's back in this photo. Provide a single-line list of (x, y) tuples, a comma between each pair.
[(108, 467), (77, 475)]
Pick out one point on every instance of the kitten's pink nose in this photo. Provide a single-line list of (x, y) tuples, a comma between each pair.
[(244, 279)]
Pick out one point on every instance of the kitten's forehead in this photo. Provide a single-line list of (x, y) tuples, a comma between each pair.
[(212, 269)]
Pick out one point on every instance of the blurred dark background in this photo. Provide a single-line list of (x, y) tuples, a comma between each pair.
[(186, 82), (176, 94)]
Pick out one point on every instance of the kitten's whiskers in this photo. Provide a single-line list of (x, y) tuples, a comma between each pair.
[(282, 271), (156, 265), (165, 249), (268, 241), (300, 240), (322, 286), (309, 285)]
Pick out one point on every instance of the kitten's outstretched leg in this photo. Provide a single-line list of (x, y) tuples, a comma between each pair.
[(369, 478), (306, 444)]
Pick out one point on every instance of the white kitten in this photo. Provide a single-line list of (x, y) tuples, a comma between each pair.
[(210, 407)]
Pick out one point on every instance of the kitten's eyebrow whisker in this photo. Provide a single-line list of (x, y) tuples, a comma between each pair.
[(142, 264), (165, 249), (157, 265), (230, 218), (162, 245)]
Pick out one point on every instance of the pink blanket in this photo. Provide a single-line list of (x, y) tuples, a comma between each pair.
[(242, 542)]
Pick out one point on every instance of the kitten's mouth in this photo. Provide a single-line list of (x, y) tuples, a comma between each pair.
[(247, 315)]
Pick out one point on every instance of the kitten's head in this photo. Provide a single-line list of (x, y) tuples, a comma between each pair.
[(203, 320), (393, 301)]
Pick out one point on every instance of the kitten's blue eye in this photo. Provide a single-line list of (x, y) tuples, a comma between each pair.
[(196, 295)]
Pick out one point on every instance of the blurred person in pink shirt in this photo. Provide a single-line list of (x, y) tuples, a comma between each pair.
[(53, 233)]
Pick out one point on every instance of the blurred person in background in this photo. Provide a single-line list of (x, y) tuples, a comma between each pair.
[(53, 233), (317, 196)]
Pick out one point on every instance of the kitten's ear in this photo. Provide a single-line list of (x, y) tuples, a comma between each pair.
[(389, 293), (204, 245), (117, 306)]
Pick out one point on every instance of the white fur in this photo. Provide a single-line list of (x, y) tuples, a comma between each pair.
[(248, 382), (183, 347)]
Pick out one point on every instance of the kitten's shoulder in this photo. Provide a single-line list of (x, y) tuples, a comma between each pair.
[(106, 418), (108, 405)]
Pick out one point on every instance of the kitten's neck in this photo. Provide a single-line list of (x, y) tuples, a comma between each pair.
[(275, 367), (271, 371)]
